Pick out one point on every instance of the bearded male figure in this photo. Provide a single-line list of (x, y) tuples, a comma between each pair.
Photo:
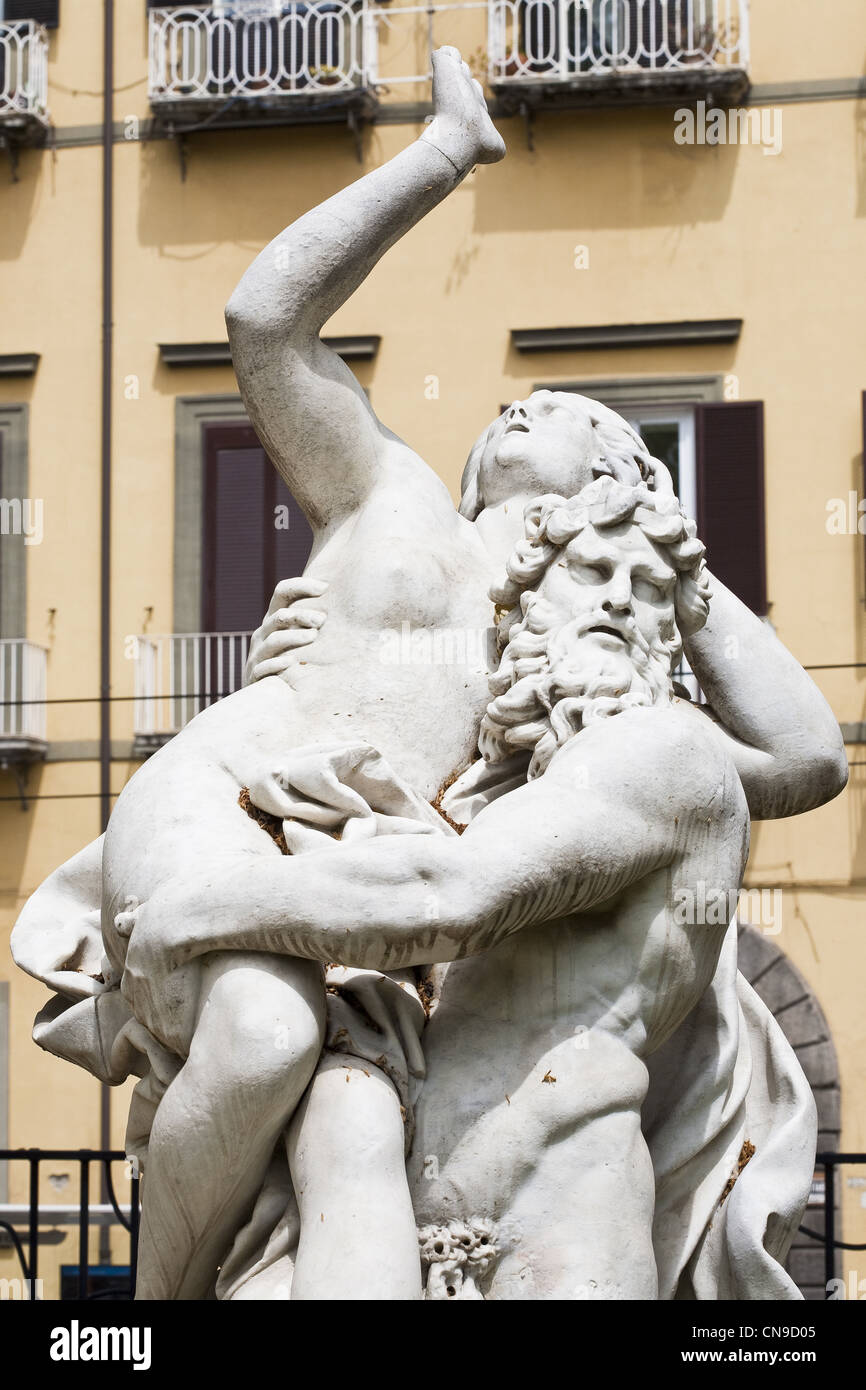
[(556, 906)]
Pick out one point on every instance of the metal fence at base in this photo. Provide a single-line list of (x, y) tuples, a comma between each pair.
[(97, 1281), (22, 1223)]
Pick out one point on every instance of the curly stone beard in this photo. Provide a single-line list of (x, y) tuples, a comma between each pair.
[(551, 684)]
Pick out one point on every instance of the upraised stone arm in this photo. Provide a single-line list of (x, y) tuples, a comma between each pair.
[(782, 734), (307, 407)]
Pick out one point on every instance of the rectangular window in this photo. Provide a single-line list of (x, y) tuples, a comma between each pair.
[(254, 532), (669, 434), (237, 531), (729, 439)]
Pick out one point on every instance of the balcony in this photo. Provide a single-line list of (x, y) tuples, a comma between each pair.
[(179, 675), (24, 115), (275, 64), (617, 52), (22, 706)]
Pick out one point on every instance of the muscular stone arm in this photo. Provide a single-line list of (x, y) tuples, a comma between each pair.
[(308, 410), (619, 802), (780, 731)]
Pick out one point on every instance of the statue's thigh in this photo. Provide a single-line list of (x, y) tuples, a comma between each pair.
[(261, 1017), (351, 1114)]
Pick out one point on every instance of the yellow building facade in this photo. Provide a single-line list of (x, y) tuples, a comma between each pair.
[(621, 249)]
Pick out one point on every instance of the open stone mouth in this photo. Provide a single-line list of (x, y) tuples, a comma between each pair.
[(609, 632), (516, 425)]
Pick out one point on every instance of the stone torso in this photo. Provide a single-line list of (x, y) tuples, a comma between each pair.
[(401, 663), (404, 655), (536, 1076)]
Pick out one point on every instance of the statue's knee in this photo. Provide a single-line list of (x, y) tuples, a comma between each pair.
[(268, 1030)]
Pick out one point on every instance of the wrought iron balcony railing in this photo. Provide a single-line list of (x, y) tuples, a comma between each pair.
[(284, 60), (203, 56), (22, 694), (180, 674), (23, 78), (570, 42)]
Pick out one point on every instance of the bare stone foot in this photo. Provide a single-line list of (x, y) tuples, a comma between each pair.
[(461, 126)]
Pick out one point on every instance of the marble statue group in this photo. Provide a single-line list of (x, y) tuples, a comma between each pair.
[(390, 946)]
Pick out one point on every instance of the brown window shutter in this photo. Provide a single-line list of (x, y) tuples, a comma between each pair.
[(293, 542), (730, 468), (244, 552), (234, 529), (45, 12)]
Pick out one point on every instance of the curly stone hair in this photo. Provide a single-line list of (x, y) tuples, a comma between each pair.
[(552, 522)]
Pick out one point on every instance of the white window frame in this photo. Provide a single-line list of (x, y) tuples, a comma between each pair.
[(684, 417)]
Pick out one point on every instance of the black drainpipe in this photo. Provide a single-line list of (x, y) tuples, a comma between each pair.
[(105, 540)]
